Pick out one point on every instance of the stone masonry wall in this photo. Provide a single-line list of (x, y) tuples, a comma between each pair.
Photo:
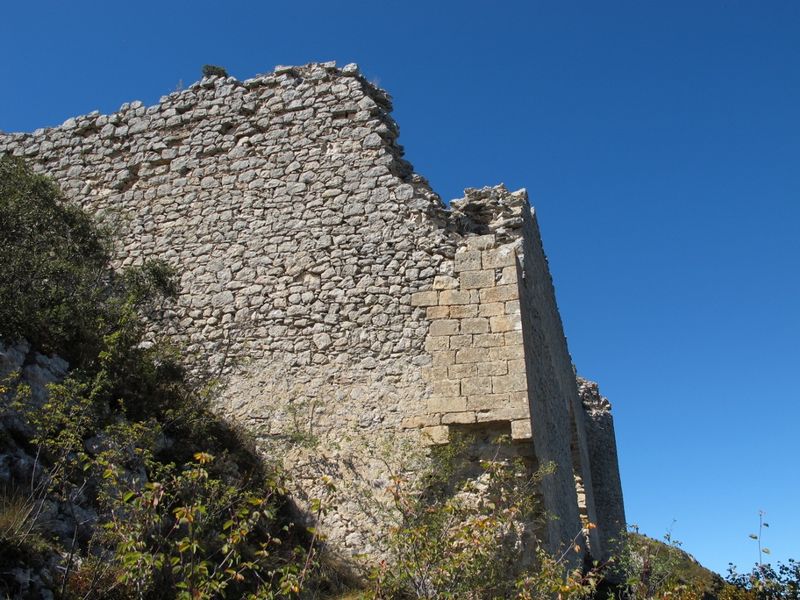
[(356, 319), (604, 465)]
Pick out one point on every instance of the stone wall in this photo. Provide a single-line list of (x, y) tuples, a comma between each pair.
[(355, 317), (603, 463)]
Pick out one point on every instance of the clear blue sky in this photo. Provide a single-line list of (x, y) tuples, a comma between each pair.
[(660, 144)]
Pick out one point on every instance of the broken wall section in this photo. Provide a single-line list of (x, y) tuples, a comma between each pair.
[(604, 465)]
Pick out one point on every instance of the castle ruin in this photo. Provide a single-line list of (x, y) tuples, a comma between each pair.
[(353, 314)]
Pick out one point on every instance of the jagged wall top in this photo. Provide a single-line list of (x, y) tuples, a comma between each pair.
[(284, 200)]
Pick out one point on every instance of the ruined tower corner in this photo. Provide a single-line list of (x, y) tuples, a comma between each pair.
[(603, 463)]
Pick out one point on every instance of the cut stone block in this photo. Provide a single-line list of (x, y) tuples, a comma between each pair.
[(432, 344), (443, 327), (461, 371), (500, 293), (436, 435), (513, 382), (498, 257), (504, 323), (475, 325), (492, 309), (460, 418), (448, 297), (488, 340), (481, 242), (445, 405), (447, 388), (506, 352), (469, 260), (509, 275), (437, 312), (476, 385), (445, 282), (501, 414), (462, 311), (487, 401), (471, 280), (513, 338), (470, 355), (499, 367), (521, 429), (443, 358), (425, 299), (460, 341), (434, 373), (417, 421)]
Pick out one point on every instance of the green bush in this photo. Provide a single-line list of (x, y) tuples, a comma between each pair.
[(53, 266), (214, 71)]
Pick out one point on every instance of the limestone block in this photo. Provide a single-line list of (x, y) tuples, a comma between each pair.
[(513, 338), (519, 399), (459, 341), (470, 355), (469, 260), (437, 312), (498, 367), (504, 323), (487, 401), (448, 297), (500, 293), (471, 386), (481, 242), (513, 382), (507, 352), (492, 309), (434, 373), (512, 307), (498, 257), (443, 327), (445, 282), (461, 371), (488, 340), (460, 418), (432, 344), (516, 366), (509, 275), (506, 413), (475, 325), (443, 358), (425, 298), (462, 311), (446, 404), (436, 435), (521, 429), (447, 387), (417, 421), (471, 280)]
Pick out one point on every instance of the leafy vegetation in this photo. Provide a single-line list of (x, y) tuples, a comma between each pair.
[(214, 71)]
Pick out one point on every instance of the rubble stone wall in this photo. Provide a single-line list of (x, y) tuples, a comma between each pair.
[(355, 317)]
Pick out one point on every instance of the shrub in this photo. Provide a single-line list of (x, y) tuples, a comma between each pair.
[(53, 266), (473, 536), (214, 71)]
